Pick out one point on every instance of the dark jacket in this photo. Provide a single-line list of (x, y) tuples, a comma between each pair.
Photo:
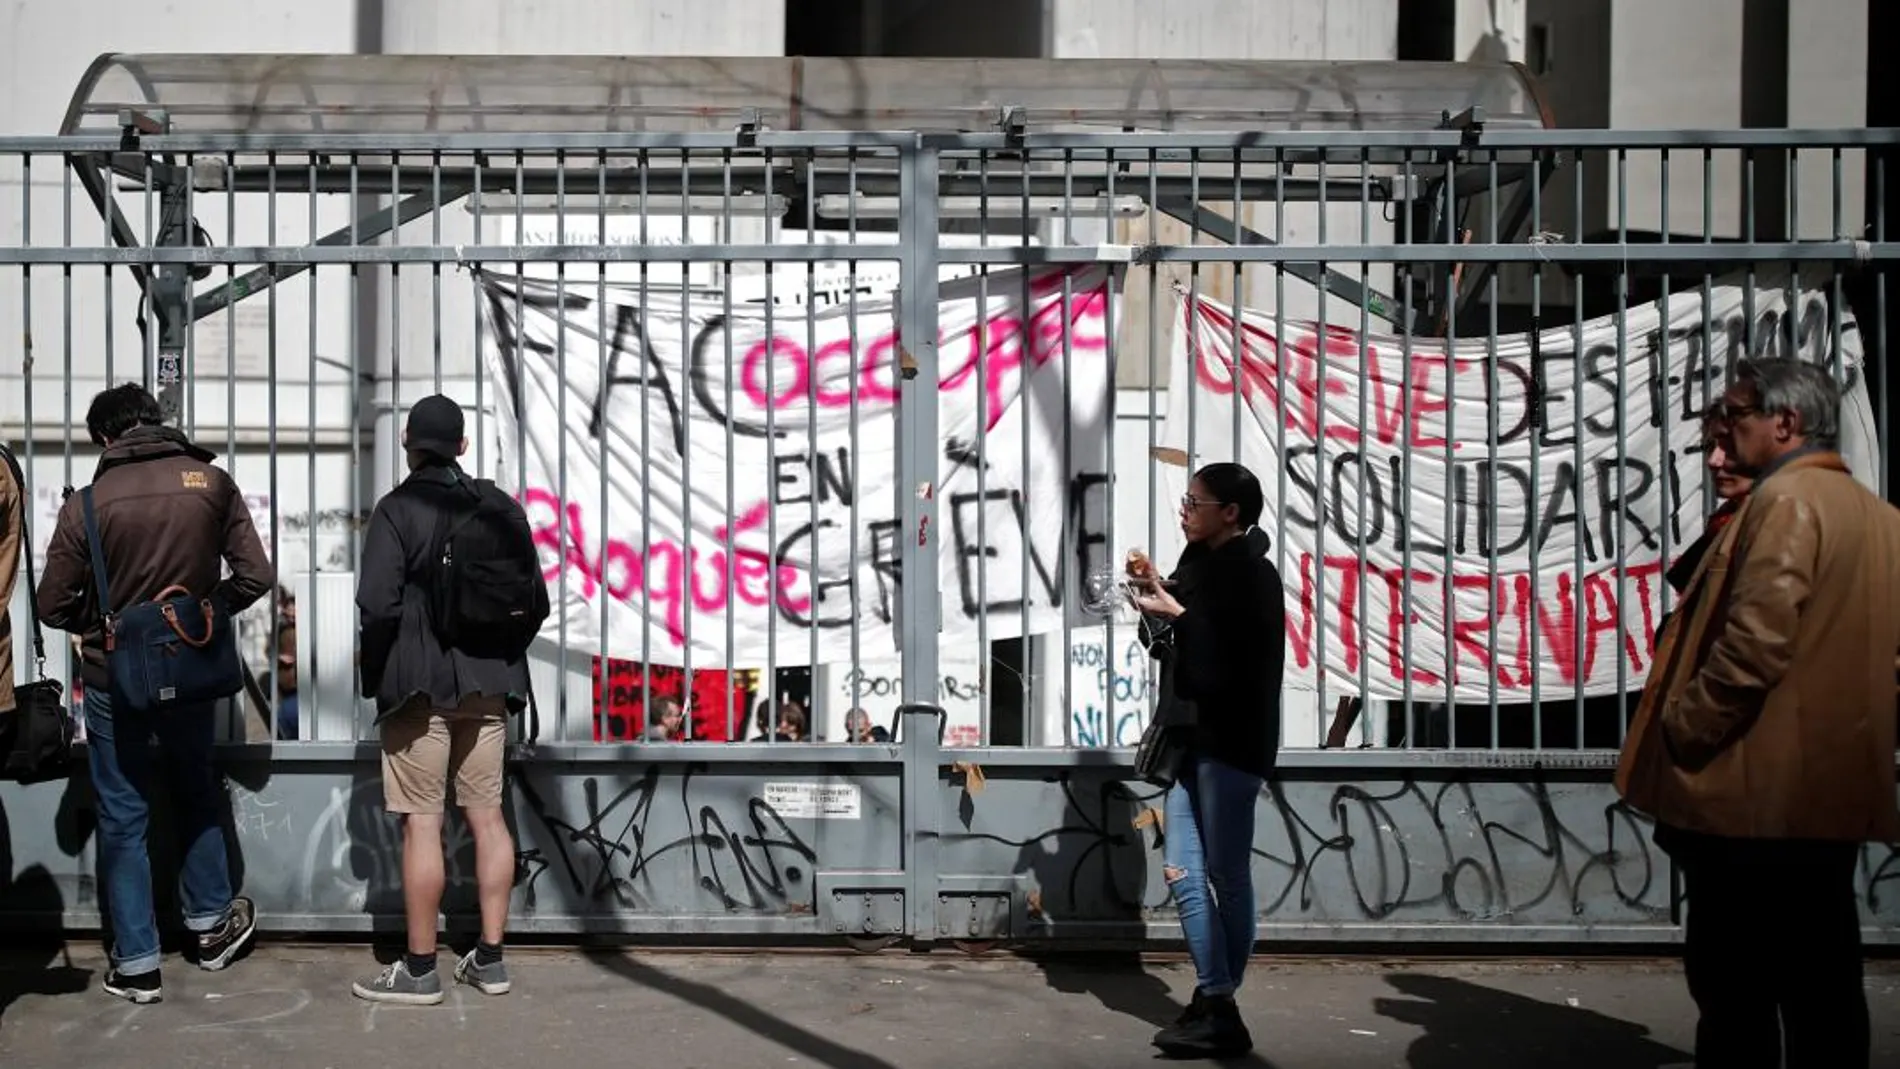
[(1685, 567), (167, 517), (1223, 660), (401, 655)]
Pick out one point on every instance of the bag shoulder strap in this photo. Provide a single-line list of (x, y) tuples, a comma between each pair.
[(26, 554), (97, 546)]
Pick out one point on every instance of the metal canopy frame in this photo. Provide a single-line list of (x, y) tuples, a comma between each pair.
[(396, 104)]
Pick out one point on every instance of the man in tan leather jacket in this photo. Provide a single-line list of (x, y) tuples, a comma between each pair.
[(1764, 742)]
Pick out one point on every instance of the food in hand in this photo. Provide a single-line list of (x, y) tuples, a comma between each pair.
[(1139, 566)]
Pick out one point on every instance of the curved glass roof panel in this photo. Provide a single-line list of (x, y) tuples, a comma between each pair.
[(415, 94)]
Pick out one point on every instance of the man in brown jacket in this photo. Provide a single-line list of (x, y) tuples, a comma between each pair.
[(166, 517), (1764, 742)]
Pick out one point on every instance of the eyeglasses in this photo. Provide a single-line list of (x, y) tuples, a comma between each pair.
[(1728, 413), (1189, 502)]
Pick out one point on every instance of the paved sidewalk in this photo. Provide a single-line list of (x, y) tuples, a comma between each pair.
[(291, 1007)]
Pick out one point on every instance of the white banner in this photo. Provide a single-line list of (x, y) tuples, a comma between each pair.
[(1417, 546), (703, 489)]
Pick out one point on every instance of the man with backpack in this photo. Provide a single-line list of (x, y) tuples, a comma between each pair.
[(158, 520), (450, 595)]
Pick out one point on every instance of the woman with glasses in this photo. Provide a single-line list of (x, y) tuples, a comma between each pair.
[(1218, 627), (1731, 489)]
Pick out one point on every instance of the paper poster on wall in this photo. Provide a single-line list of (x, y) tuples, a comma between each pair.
[(1492, 515), (783, 450)]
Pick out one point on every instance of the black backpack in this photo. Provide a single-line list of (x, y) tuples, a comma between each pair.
[(487, 597)]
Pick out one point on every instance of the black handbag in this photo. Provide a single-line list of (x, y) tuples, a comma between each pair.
[(1158, 755), (36, 735), (1164, 743)]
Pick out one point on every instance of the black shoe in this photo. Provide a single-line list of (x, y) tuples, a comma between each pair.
[(1217, 1033), (220, 946), (1196, 1009), (141, 989)]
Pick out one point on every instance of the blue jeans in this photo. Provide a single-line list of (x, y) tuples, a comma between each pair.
[(122, 777), (1208, 853)]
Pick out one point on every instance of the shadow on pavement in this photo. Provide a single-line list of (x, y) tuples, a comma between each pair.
[(809, 1044), (1470, 1026), (1119, 982), (33, 964), (1122, 984)]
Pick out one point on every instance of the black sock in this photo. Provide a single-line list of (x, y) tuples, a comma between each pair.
[(420, 964), (487, 953)]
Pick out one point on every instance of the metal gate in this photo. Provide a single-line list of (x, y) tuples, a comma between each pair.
[(747, 382)]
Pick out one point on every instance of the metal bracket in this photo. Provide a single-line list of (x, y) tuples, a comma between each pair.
[(749, 123), (1470, 120), (137, 122), (1013, 121)]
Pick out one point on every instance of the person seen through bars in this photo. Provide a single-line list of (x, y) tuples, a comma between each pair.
[(1218, 628), (1731, 484)]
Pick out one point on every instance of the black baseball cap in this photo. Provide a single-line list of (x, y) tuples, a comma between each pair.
[(435, 426)]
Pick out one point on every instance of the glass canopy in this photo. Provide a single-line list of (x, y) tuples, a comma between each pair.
[(417, 94)]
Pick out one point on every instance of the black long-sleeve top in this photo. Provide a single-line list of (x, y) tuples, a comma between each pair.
[(1223, 661)]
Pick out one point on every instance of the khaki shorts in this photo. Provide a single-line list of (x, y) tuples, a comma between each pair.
[(423, 748)]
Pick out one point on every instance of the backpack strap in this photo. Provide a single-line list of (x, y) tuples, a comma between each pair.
[(97, 546)]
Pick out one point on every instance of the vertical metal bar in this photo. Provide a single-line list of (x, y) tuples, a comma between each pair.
[(1407, 319), (773, 233), (1533, 624), (859, 358), (1622, 445), (605, 695), (1365, 421), (66, 329), (919, 607), (1838, 298), (273, 615), (1665, 345), (1453, 522), (686, 452), (476, 188), (771, 402), (1023, 342), (1065, 317), (820, 696), (355, 351), (29, 431), (558, 596), (1883, 428), (1797, 277), (1493, 423), (313, 700), (561, 725), (1577, 460), (1149, 461), (646, 463), (982, 327), (230, 323), (1237, 378), (1112, 335)]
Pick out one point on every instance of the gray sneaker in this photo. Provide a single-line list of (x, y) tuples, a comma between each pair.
[(395, 984), (491, 979)]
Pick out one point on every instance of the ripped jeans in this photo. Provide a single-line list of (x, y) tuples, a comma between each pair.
[(1207, 857)]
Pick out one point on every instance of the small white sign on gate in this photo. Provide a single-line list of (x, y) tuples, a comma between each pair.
[(814, 801)]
